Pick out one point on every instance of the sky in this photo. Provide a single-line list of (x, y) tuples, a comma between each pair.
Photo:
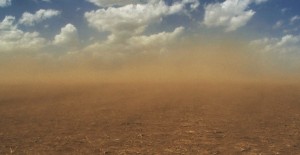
[(113, 31)]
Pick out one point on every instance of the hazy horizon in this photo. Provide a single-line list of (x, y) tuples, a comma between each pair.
[(155, 40)]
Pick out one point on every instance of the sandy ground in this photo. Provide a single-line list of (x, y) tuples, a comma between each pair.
[(150, 119)]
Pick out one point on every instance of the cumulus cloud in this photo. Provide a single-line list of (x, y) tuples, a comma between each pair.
[(5, 3), (132, 19), (29, 19), (68, 36), (12, 38), (140, 43), (107, 3), (155, 40), (230, 14), (8, 23), (281, 53), (127, 24), (136, 45), (194, 4), (285, 44)]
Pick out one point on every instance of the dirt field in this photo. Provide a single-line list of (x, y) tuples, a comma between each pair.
[(150, 119)]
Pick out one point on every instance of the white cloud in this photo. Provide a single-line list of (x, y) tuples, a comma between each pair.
[(29, 19), (260, 1), (130, 17), (294, 19), (230, 14), (284, 10), (285, 44), (131, 20), (126, 26), (279, 52), (8, 23), (37, 1), (140, 44), (5, 3), (194, 4), (155, 40), (13, 39), (68, 36), (278, 24), (107, 3)]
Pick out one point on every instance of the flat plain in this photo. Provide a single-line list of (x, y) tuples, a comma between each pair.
[(150, 118)]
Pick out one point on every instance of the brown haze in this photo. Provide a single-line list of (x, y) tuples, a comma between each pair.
[(224, 62), (204, 99)]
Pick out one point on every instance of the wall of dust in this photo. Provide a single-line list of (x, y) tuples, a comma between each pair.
[(229, 61)]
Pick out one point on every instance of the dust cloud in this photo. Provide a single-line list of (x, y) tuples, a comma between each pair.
[(229, 61), (192, 99)]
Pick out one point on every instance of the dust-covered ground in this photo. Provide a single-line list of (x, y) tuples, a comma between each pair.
[(150, 118)]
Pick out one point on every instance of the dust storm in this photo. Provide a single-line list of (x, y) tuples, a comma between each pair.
[(193, 99), (230, 61)]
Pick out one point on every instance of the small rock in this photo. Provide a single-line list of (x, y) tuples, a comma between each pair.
[(107, 152), (216, 152), (190, 132), (244, 149), (140, 135)]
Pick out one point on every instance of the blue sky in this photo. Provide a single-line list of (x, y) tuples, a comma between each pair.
[(78, 26)]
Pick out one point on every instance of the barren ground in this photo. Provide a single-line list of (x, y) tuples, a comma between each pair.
[(150, 119)]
